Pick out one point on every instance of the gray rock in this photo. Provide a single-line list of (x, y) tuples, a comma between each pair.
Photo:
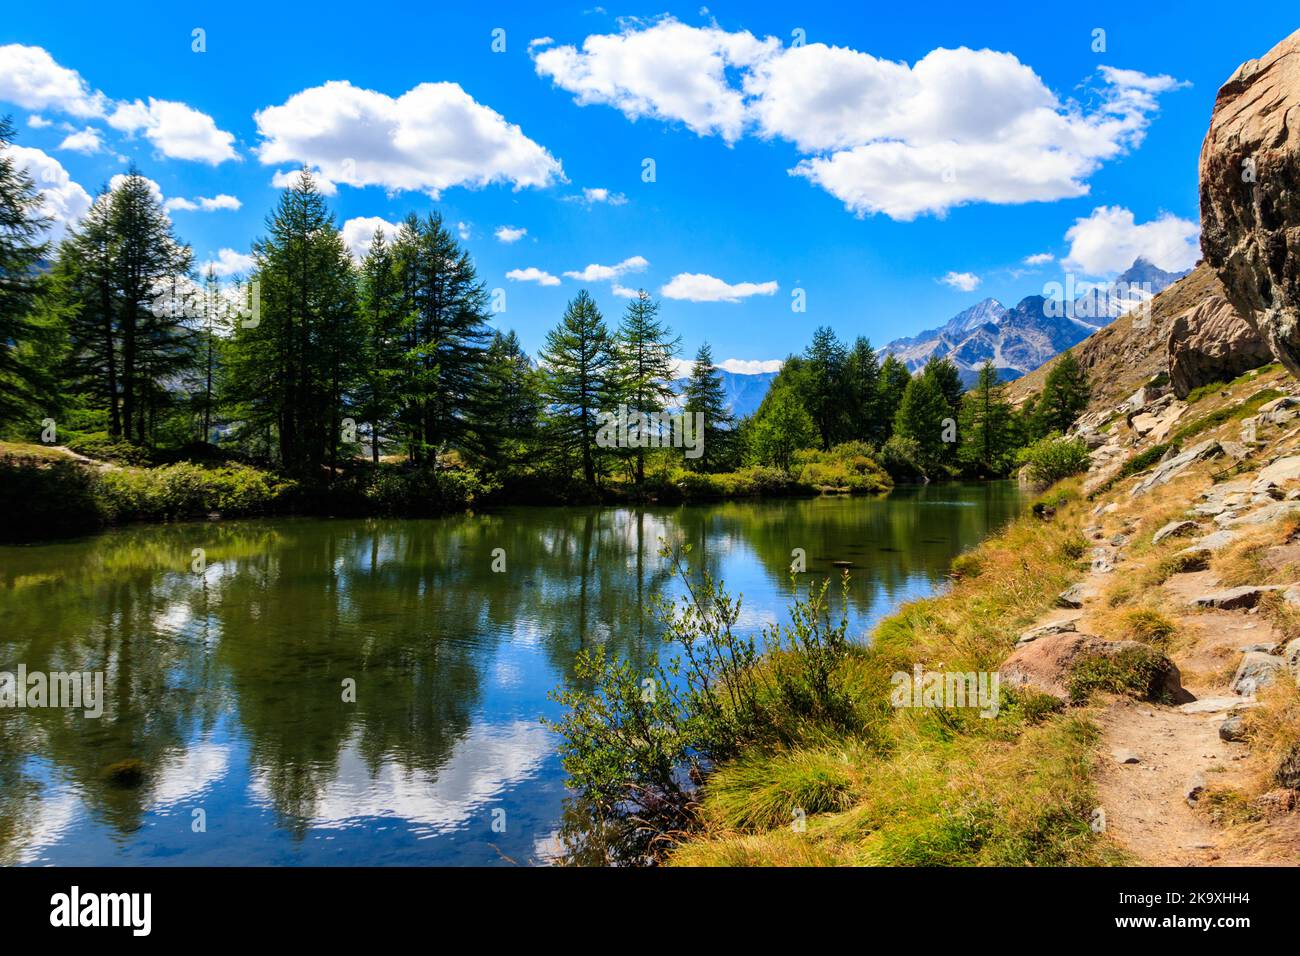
[(1233, 599), (1216, 541), (1175, 529), (1044, 630), (1265, 515), (1167, 471), (1216, 705), (1125, 756), (1278, 473), (1233, 730), (1288, 774), (1073, 596), (1194, 788), (1256, 670)]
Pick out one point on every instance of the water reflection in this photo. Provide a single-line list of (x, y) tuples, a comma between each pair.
[(227, 689)]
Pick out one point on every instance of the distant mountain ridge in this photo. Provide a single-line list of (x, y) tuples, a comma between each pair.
[(744, 391), (1020, 339)]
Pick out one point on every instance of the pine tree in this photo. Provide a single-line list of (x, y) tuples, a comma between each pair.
[(512, 408), (290, 370), (383, 360), (1065, 395), (987, 426), (445, 334), (132, 336), (157, 342), (827, 386), (579, 378), (706, 395), (863, 372), (24, 385), (920, 419), (643, 355), (894, 379)]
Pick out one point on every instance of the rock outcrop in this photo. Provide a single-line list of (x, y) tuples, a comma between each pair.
[(1250, 196), (1047, 665), (1212, 343)]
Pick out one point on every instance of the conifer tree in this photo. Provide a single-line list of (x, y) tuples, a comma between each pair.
[(25, 384), (290, 368), (579, 378), (987, 426), (894, 378), (643, 352), (507, 427), (1065, 395), (920, 419), (863, 371), (827, 393), (705, 394), (383, 360)]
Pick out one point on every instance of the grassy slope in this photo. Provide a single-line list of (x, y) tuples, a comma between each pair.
[(930, 787)]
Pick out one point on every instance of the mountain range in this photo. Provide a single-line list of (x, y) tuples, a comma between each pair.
[(1020, 339), (744, 391)]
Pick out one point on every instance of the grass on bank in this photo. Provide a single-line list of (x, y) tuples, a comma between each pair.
[(925, 786)]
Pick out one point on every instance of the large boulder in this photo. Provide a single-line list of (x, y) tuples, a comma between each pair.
[(1047, 665), (1250, 196), (1212, 343)]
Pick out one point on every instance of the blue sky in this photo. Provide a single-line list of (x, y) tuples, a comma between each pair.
[(862, 166)]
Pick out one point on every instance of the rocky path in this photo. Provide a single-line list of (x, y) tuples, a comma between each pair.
[(1157, 759)]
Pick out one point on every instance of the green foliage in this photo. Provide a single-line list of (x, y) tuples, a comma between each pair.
[(186, 490), (924, 419), (781, 428), (47, 499), (1054, 458), (104, 448), (850, 466), (632, 740)]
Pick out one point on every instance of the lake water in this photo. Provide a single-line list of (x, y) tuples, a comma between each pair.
[(224, 711)]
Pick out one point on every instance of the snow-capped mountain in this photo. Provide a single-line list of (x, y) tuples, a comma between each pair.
[(744, 392), (1020, 339)]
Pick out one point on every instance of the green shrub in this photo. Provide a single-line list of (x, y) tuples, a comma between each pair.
[(1054, 458), (186, 490), (103, 448), (1226, 414)]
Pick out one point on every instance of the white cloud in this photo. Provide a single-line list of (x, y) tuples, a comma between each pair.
[(36, 121), (31, 78), (358, 231), (508, 234), (176, 130), (536, 42), (958, 126), (532, 274), (62, 200), (625, 292), (463, 230), (595, 195), (430, 138), (698, 287), (667, 71), (750, 366), (228, 263), (598, 273), (285, 178), (1039, 258), (83, 141), (1110, 239), (204, 203), (965, 281), (684, 366)]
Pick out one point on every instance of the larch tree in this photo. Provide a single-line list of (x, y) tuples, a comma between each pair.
[(579, 378), (644, 349)]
